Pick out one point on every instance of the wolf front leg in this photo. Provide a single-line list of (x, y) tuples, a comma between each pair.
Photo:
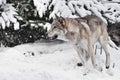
[(91, 52), (80, 53)]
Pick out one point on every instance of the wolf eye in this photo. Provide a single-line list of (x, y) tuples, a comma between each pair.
[(55, 26)]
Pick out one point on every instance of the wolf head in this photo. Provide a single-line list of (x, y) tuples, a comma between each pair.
[(57, 27)]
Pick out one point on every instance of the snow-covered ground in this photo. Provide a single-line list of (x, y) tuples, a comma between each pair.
[(55, 60)]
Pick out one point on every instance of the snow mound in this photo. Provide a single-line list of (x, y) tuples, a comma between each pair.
[(53, 60)]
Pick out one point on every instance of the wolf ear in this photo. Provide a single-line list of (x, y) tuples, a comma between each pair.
[(60, 19), (56, 16)]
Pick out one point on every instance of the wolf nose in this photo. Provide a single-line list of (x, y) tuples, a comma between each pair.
[(54, 37)]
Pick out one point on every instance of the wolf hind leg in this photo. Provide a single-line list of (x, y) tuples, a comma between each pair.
[(103, 42)]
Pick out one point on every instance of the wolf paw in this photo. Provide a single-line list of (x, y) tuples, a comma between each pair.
[(107, 67), (79, 64)]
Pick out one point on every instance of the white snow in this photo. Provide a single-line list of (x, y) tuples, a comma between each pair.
[(16, 26), (48, 26), (55, 60), (8, 16), (2, 2), (42, 6), (2, 22), (80, 8)]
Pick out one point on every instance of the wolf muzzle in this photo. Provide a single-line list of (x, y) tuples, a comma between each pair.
[(52, 37)]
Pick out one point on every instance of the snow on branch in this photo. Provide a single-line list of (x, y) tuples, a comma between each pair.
[(79, 8), (8, 15), (2, 2), (41, 6)]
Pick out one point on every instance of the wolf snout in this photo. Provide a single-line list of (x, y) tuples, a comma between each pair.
[(51, 37)]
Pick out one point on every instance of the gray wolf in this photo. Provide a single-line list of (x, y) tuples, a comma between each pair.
[(83, 33)]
